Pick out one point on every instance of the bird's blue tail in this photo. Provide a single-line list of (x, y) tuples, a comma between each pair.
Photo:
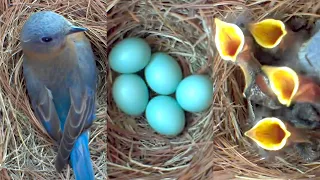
[(80, 158)]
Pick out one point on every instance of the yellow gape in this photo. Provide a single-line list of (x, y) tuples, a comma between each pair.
[(269, 133), (268, 33), (284, 82), (229, 40)]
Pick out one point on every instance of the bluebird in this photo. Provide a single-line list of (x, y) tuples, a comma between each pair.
[(279, 42), (267, 53), (60, 73), (276, 131), (298, 49)]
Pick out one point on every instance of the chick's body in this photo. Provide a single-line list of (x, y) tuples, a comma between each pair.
[(60, 74), (274, 86), (257, 87), (299, 50), (304, 139)]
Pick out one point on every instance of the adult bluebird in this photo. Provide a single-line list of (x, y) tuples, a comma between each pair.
[(60, 73)]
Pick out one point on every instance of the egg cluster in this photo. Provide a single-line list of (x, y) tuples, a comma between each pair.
[(162, 75)]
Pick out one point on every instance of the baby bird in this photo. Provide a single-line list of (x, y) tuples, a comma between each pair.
[(232, 45), (60, 74), (270, 85), (300, 94), (298, 85), (279, 45), (282, 91), (275, 134)]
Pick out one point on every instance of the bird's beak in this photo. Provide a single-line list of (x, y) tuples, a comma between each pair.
[(75, 29), (268, 33), (284, 83), (269, 133), (229, 40)]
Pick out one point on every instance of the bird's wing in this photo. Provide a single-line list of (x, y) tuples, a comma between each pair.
[(42, 104), (81, 111), (82, 95), (87, 64)]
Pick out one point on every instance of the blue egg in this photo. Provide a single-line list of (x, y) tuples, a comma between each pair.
[(163, 73), (165, 116), (130, 55), (195, 93), (130, 93)]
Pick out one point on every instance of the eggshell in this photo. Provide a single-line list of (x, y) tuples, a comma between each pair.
[(165, 116), (163, 73), (130, 93), (194, 93), (130, 55)]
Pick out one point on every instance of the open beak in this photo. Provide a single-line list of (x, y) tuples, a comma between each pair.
[(268, 33), (284, 83), (229, 40), (231, 46), (269, 133), (75, 29)]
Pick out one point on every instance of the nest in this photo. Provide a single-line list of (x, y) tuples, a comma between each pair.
[(26, 152), (212, 144)]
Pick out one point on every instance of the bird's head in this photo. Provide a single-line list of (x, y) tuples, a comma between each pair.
[(45, 32), (229, 40), (269, 133), (268, 33), (284, 82)]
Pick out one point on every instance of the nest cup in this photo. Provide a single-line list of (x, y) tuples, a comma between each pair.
[(212, 145), (26, 152)]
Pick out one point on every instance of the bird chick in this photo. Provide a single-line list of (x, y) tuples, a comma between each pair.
[(229, 40), (278, 44), (308, 148), (60, 73), (291, 87), (234, 46), (305, 109), (284, 82), (263, 83), (300, 94), (275, 136), (268, 33), (269, 133)]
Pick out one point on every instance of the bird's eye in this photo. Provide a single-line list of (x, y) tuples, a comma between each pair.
[(46, 39)]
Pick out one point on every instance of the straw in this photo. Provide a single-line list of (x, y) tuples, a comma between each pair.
[(26, 151), (212, 144)]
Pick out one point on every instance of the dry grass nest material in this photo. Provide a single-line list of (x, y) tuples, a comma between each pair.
[(213, 144), (26, 152)]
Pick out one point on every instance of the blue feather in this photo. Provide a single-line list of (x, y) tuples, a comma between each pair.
[(80, 158), (55, 73)]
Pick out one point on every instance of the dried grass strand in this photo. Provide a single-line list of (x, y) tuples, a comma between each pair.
[(212, 145)]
